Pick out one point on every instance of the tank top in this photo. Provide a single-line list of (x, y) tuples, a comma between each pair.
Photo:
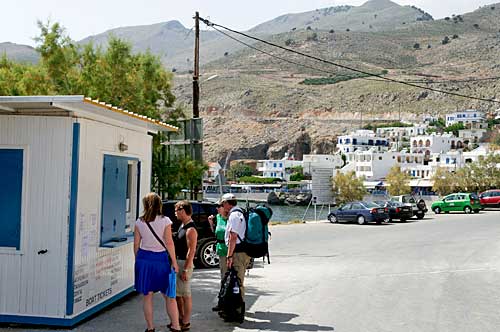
[(220, 231), (148, 240), (180, 241)]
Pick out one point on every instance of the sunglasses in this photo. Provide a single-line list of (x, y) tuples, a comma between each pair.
[(179, 209)]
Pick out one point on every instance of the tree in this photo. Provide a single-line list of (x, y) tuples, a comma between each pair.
[(137, 82), (398, 181), (347, 187), (239, 170), (454, 128), (416, 46), (442, 181), (445, 40), (297, 173)]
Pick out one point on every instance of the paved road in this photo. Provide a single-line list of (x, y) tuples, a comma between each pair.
[(437, 274)]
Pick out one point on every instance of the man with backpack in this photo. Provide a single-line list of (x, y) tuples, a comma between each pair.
[(235, 234)]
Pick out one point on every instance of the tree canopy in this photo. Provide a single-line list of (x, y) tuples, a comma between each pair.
[(399, 181), (137, 82), (347, 187)]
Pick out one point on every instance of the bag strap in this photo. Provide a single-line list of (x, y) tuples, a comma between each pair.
[(159, 240), (156, 235)]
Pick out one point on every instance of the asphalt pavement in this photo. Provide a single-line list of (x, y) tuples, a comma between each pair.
[(436, 274)]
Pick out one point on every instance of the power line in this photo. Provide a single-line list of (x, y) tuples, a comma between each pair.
[(213, 25), (276, 56)]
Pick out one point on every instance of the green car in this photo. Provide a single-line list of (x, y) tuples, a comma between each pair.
[(457, 202)]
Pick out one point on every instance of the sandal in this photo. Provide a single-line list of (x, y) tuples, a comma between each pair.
[(150, 330), (185, 327), (169, 326)]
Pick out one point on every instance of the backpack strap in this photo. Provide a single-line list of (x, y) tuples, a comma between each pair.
[(238, 209)]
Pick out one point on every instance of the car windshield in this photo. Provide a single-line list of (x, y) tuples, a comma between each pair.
[(408, 199)]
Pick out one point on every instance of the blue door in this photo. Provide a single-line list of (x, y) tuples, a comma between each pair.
[(114, 198), (11, 188)]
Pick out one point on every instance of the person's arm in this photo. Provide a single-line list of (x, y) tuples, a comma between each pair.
[(191, 238), (230, 248), (169, 243), (211, 222), (137, 240)]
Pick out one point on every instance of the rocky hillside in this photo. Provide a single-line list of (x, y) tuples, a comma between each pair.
[(258, 107), (21, 53), (374, 15)]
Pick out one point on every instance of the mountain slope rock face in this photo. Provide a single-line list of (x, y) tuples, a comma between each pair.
[(258, 106), (21, 53)]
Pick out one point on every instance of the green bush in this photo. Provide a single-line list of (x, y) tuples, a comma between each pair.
[(259, 180)]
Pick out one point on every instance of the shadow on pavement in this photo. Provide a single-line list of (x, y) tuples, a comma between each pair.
[(277, 321)]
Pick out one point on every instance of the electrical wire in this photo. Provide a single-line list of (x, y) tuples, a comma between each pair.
[(280, 58), (213, 25)]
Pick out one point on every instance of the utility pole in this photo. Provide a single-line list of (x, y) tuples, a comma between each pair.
[(196, 71), (196, 96)]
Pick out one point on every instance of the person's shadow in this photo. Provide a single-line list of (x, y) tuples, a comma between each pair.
[(276, 321)]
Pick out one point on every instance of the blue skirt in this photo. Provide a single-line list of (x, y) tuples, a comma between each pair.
[(152, 273)]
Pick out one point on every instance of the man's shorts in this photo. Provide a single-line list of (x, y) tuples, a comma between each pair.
[(183, 288)]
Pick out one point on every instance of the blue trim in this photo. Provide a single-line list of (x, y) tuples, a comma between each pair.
[(75, 158), (138, 189), (65, 322)]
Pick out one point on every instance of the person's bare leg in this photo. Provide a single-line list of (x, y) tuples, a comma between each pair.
[(180, 307), (172, 312), (188, 306), (148, 310)]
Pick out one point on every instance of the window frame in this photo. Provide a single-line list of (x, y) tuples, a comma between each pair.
[(25, 152)]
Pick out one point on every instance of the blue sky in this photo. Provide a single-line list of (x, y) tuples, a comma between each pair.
[(89, 17)]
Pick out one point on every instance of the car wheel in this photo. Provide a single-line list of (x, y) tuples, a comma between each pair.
[(402, 220), (361, 220), (467, 209), (389, 220), (207, 254), (437, 210), (420, 215), (476, 211), (332, 218)]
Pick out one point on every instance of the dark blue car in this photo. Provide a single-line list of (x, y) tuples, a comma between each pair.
[(360, 212)]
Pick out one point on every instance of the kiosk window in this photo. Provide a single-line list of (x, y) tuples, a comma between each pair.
[(11, 184)]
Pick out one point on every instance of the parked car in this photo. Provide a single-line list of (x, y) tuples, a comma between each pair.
[(419, 208), (206, 255), (361, 212), (397, 210), (490, 198), (466, 202)]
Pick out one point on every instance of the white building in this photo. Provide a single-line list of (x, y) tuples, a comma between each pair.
[(372, 164), (72, 172), (213, 171), (400, 132), (361, 140), (324, 161), (277, 168), (467, 117), (434, 143)]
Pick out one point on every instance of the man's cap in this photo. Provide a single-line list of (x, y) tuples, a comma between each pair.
[(227, 197)]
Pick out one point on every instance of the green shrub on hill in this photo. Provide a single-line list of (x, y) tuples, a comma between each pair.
[(337, 79)]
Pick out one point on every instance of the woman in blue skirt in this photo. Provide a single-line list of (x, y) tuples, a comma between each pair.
[(153, 245)]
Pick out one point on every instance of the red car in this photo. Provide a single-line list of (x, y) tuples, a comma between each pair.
[(490, 198)]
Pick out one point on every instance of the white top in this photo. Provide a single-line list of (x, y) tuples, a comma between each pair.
[(148, 240), (236, 224)]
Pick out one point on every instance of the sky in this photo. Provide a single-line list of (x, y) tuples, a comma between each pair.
[(90, 17)]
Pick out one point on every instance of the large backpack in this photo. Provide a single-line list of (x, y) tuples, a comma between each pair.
[(255, 243), (230, 299)]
